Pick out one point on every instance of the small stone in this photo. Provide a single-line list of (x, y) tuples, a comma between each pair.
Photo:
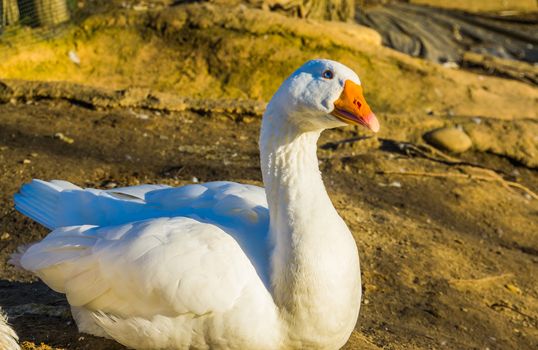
[(111, 184), (195, 180), (33, 154), (451, 65), (392, 184), (449, 139), (141, 7), (462, 327), (26, 161), (5, 236), (74, 57), (512, 288), (63, 138)]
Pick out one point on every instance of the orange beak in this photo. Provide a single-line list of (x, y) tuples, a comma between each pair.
[(351, 107)]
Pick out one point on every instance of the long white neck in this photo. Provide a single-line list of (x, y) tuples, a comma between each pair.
[(315, 272)]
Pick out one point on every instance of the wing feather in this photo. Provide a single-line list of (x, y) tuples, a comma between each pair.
[(59, 203), (166, 266)]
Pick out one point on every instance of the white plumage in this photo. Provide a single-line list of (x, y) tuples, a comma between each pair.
[(8, 338), (221, 264)]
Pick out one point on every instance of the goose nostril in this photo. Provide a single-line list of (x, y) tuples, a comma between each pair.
[(357, 103)]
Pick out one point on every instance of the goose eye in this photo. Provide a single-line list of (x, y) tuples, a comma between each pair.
[(328, 74)]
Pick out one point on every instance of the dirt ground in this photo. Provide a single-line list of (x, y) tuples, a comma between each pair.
[(448, 242)]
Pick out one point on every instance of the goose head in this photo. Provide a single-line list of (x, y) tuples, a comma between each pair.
[(324, 94)]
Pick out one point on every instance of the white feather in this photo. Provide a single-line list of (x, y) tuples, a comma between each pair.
[(8, 338)]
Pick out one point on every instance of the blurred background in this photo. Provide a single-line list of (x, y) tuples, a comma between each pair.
[(443, 201)]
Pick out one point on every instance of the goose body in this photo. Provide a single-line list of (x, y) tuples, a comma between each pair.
[(219, 265)]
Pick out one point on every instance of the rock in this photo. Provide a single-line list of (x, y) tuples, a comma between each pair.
[(449, 139), (110, 184), (512, 288), (63, 138), (74, 57), (392, 184)]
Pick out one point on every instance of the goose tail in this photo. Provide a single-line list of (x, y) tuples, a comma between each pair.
[(39, 200)]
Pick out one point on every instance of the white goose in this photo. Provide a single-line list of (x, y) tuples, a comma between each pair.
[(219, 265)]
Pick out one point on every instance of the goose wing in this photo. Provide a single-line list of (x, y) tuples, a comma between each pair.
[(163, 266)]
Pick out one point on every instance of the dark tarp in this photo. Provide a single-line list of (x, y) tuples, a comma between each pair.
[(443, 35)]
